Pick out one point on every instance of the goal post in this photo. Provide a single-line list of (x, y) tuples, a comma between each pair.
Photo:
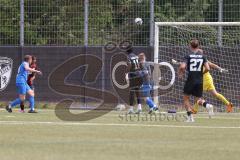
[(171, 41)]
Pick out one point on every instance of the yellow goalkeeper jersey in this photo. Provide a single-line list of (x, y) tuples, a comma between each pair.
[(208, 82)]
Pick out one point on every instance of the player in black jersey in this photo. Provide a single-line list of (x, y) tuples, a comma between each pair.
[(194, 64), (135, 79)]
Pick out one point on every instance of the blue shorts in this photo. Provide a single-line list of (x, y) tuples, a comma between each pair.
[(146, 90), (22, 88)]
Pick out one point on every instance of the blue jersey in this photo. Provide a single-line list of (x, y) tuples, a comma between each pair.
[(146, 71), (22, 74)]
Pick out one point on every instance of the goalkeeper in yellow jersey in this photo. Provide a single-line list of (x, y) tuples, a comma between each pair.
[(208, 86)]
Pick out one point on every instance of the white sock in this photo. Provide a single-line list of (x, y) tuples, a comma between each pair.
[(139, 107), (191, 116), (208, 106), (131, 108)]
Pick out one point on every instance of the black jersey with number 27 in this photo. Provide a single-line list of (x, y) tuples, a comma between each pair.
[(195, 63)]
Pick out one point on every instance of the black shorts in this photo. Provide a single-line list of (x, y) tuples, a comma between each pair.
[(194, 89), (135, 80)]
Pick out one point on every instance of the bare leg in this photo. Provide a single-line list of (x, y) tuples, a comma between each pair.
[(188, 107), (205, 104)]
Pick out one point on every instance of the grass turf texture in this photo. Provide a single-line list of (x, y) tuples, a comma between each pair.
[(43, 136)]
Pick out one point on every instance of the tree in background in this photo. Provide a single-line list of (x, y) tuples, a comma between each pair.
[(9, 22), (61, 22)]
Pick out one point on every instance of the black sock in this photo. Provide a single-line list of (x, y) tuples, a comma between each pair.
[(138, 101), (22, 105), (189, 113), (205, 104)]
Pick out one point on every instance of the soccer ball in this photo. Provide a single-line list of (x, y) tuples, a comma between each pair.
[(138, 21)]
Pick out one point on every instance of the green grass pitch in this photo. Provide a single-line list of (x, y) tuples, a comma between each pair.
[(43, 136)]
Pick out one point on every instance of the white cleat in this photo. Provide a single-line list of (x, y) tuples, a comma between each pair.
[(139, 111), (210, 110), (190, 119), (130, 111), (154, 110)]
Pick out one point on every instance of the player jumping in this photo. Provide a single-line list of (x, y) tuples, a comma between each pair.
[(194, 64), (208, 86), (22, 86), (135, 80)]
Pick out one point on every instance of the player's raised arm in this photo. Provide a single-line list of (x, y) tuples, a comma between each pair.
[(31, 70), (215, 66), (128, 66), (207, 67)]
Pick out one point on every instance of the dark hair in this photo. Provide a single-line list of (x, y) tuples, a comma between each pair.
[(34, 58), (27, 58), (142, 54), (129, 50), (194, 43)]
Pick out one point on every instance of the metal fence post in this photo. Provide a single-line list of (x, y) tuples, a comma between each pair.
[(220, 19), (21, 23), (86, 13), (151, 23)]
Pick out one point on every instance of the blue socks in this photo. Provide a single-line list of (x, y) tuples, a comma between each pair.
[(31, 101), (15, 102), (150, 103), (18, 101)]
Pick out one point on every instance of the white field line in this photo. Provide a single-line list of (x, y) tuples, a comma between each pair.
[(219, 117), (117, 112), (202, 115), (114, 111), (113, 125)]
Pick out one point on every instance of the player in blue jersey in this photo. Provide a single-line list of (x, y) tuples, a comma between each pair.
[(22, 86), (31, 78), (146, 87)]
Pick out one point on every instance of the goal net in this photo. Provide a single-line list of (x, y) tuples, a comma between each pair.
[(220, 42)]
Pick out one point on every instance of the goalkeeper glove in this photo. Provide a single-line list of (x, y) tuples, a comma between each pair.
[(222, 70)]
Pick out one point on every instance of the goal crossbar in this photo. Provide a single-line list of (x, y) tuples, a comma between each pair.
[(157, 24), (197, 23)]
